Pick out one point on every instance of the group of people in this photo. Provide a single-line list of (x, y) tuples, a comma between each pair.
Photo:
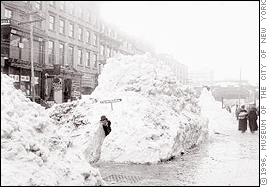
[(243, 116)]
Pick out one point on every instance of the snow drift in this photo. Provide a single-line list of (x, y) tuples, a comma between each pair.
[(34, 150), (156, 119)]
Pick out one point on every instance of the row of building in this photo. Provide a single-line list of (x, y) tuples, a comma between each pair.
[(70, 44)]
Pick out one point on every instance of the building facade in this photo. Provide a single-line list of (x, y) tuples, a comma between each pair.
[(71, 44), (16, 45), (65, 47)]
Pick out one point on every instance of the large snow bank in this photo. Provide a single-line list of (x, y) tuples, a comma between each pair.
[(218, 118), (156, 119), (33, 149)]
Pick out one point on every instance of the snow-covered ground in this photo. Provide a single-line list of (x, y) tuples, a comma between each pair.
[(156, 119)]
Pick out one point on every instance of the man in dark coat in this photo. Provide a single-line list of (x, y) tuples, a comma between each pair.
[(242, 123), (252, 119), (106, 124)]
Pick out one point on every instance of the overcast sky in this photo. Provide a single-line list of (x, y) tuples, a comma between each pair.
[(223, 36)]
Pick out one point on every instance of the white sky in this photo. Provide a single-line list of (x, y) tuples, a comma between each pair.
[(220, 35)]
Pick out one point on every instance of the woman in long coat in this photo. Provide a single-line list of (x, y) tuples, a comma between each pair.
[(252, 119), (242, 120)]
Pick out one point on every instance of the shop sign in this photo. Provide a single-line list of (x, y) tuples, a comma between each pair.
[(25, 78), (57, 85), (111, 101), (15, 77)]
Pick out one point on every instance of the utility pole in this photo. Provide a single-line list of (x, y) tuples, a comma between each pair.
[(239, 87), (31, 21)]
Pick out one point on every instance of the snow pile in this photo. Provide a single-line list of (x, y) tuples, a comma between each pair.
[(218, 118), (156, 119), (32, 149)]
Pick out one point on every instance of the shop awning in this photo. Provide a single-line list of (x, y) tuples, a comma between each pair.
[(230, 93)]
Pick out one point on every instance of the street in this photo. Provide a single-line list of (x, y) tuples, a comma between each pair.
[(228, 158)]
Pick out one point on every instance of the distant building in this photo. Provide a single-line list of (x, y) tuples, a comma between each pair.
[(180, 70), (71, 44)]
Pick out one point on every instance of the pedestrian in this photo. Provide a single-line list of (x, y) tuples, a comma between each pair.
[(242, 119), (252, 119), (228, 109), (106, 125), (237, 109)]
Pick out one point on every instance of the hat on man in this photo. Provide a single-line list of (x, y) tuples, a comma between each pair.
[(103, 118)]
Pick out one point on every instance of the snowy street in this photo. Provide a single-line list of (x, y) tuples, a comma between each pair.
[(163, 133), (229, 158)]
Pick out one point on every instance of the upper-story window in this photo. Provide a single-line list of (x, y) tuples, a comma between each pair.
[(95, 60), (80, 35), (102, 28), (38, 5), (8, 13), (80, 12), (71, 30), (52, 22), (61, 54), (62, 26), (87, 36), (51, 51), (88, 17), (71, 8), (101, 50), (80, 54), (108, 52), (94, 39), (115, 35), (87, 59), (70, 55), (109, 31), (62, 5)]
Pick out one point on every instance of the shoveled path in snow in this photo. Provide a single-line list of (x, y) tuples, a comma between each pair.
[(228, 158)]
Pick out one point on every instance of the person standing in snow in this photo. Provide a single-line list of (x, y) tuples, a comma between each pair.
[(106, 124), (242, 123), (252, 119), (237, 109)]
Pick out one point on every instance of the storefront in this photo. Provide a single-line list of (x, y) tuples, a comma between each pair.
[(20, 71), (61, 87)]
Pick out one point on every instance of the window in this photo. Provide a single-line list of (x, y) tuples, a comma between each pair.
[(80, 12), (94, 39), (71, 8), (102, 28), (108, 52), (71, 30), (8, 13), (51, 51), (101, 50), (38, 5), (80, 57), (62, 26), (87, 59), (61, 54), (95, 60), (53, 3), (80, 36), (62, 5), (109, 31), (70, 55), (87, 36), (88, 17), (51, 22)]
